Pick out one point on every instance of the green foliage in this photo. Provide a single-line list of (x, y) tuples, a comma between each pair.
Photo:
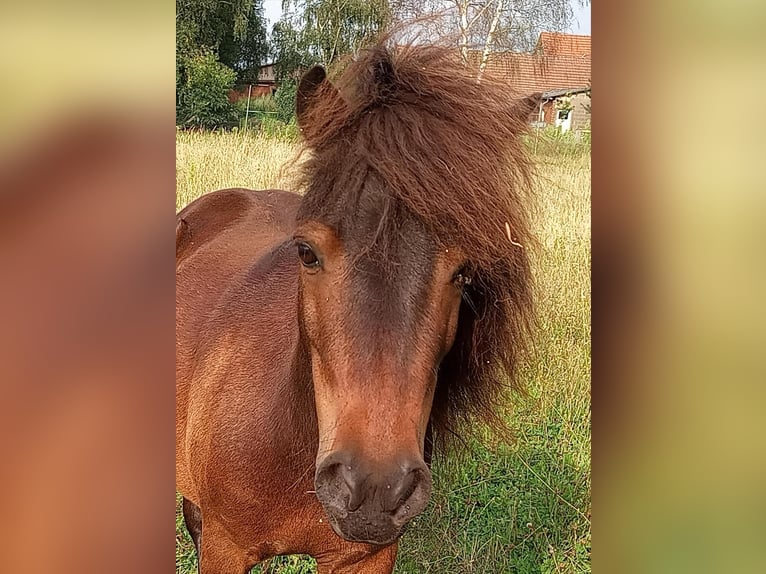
[(321, 31), (186, 557), (203, 97), (564, 103), (497, 25), (284, 99), (234, 31), (295, 564), (290, 56), (258, 104), (265, 117), (274, 128), (270, 128), (245, 52)]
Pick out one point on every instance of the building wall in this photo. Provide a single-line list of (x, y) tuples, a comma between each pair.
[(266, 74), (240, 92), (549, 113), (580, 113)]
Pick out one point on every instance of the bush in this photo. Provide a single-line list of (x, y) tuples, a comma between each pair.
[(284, 99), (260, 108), (263, 104), (275, 128), (203, 98), (264, 117), (258, 105)]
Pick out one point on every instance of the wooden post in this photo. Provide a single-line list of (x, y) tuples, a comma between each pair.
[(537, 124), (247, 111)]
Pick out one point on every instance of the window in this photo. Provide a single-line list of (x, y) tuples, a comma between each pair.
[(562, 115)]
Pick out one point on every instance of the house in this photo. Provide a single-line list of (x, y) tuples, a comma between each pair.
[(567, 108), (266, 85), (559, 68)]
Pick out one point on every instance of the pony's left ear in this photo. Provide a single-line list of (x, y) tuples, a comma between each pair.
[(525, 108), (318, 106), (307, 89), (313, 87)]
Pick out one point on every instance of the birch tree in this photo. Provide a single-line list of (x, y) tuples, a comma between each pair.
[(487, 25), (490, 37)]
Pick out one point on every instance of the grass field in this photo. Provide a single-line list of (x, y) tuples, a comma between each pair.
[(516, 508)]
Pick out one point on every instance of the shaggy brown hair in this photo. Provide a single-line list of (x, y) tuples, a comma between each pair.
[(446, 150)]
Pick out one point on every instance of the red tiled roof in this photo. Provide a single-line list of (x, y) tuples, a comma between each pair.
[(556, 43), (561, 64)]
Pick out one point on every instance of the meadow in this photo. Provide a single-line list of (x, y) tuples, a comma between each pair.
[(505, 508)]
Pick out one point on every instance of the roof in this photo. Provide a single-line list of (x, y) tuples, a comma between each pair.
[(556, 43), (560, 63), (553, 94), (530, 73)]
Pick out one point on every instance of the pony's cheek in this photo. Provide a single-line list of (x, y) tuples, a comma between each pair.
[(452, 318), (327, 405), (311, 310)]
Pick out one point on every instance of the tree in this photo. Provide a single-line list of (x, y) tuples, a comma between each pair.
[(254, 46), (321, 31), (234, 30), (241, 37), (217, 42), (487, 25), (203, 100)]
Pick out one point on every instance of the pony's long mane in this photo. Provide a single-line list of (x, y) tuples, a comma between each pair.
[(445, 149)]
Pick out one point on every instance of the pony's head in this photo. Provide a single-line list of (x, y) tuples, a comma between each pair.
[(415, 295)]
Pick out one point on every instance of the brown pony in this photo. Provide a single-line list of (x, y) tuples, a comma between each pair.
[(326, 342)]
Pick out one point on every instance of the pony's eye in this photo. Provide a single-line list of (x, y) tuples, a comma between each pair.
[(461, 278), (307, 256)]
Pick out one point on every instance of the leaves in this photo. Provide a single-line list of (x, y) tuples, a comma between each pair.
[(321, 31), (203, 99), (233, 30), (217, 43)]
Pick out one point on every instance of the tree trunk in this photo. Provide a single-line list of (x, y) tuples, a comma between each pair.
[(462, 7), (490, 38)]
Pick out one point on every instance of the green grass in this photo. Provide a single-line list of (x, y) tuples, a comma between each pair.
[(518, 508)]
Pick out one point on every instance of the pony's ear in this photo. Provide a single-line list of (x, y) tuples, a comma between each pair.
[(313, 83), (525, 108), (319, 106)]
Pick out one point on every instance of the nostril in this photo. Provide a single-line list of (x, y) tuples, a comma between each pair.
[(355, 487), (332, 485), (399, 493)]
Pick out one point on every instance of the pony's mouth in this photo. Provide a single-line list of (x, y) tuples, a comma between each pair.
[(369, 506), (357, 526)]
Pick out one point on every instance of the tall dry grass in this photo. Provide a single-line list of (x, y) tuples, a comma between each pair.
[(206, 161)]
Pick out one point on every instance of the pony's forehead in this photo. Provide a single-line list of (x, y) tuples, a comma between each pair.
[(426, 141)]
